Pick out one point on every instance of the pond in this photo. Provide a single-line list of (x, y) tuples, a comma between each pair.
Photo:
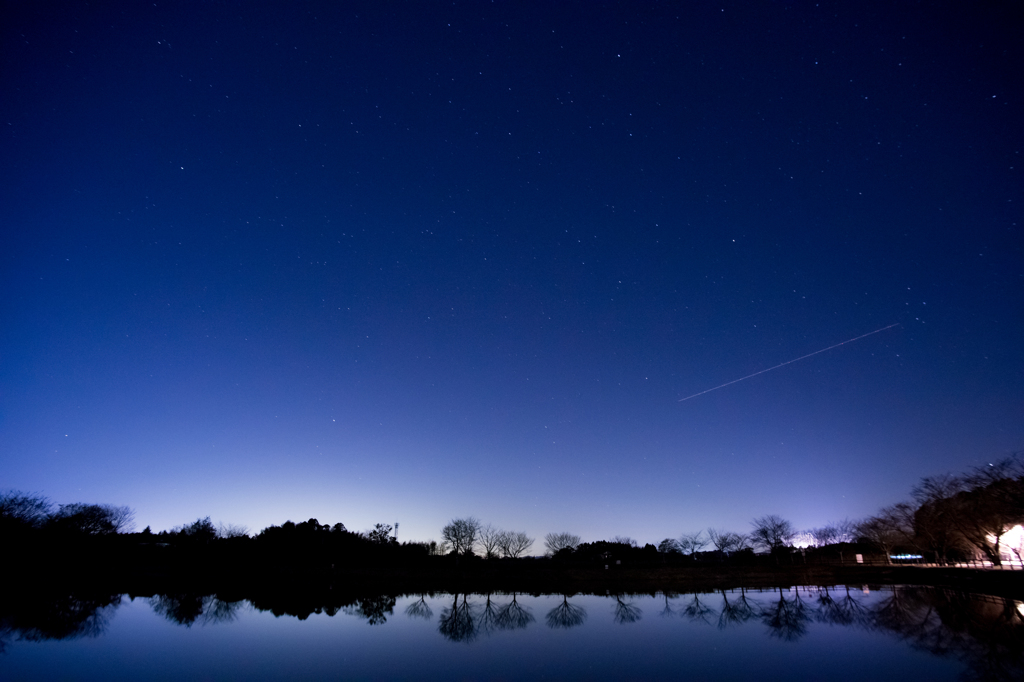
[(835, 633)]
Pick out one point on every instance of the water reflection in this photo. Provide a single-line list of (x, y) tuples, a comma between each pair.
[(566, 615), (626, 612), (59, 616), (187, 608), (985, 633)]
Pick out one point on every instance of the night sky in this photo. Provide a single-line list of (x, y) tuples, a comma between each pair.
[(377, 262)]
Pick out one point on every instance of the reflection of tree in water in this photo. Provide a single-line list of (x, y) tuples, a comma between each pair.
[(54, 617), (458, 623), (986, 633), (566, 615), (512, 616), (187, 608), (736, 611), (420, 609), (488, 619), (787, 618), (697, 610), (375, 609), (668, 611), (843, 611), (626, 612)]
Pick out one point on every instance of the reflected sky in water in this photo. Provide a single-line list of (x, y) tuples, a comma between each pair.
[(810, 633)]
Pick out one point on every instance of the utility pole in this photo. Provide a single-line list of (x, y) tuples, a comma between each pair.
[(396, 531)]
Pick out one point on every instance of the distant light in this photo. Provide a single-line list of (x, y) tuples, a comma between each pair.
[(906, 556)]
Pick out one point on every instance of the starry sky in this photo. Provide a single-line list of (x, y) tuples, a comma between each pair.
[(376, 262)]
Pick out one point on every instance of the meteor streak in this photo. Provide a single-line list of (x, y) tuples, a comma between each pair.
[(789, 362)]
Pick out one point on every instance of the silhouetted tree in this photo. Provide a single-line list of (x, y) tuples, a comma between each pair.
[(772, 532), (624, 540), (514, 544), (461, 534), (200, 530), (91, 519), (381, 534), (23, 511), (726, 541), (555, 542), (231, 530), (833, 533), (691, 543), (490, 539), (992, 506), (669, 546), (892, 526), (566, 615)]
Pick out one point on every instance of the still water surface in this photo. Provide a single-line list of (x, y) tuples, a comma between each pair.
[(835, 633)]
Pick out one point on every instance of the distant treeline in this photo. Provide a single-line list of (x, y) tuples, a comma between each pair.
[(952, 518)]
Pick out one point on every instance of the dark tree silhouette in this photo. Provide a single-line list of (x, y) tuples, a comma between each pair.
[(461, 534), (936, 523), (556, 542), (669, 546), (490, 539), (231, 530), (566, 615), (691, 543), (381, 534), (772, 532), (91, 519), (23, 511), (992, 506), (514, 544), (726, 541), (891, 526), (833, 533), (200, 530)]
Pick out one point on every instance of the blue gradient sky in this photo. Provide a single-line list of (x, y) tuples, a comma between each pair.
[(410, 262)]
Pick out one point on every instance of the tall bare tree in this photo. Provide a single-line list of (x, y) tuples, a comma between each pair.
[(514, 544), (726, 541), (833, 533), (490, 539), (938, 518), (893, 525), (691, 543), (772, 532), (461, 534)]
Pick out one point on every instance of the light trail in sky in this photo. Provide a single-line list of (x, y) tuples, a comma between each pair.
[(789, 362)]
